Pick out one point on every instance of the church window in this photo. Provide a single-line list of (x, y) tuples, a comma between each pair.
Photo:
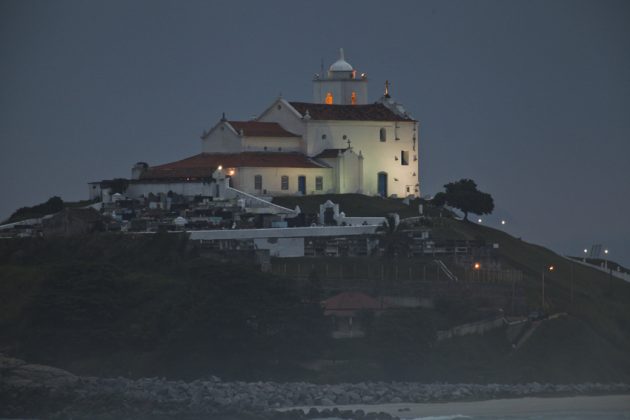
[(258, 182), (329, 98), (319, 183), (404, 157), (353, 98), (323, 136), (284, 182), (383, 134)]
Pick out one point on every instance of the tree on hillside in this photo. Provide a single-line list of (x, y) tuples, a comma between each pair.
[(465, 196), (53, 205)]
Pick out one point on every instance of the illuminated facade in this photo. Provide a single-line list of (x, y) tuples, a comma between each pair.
[(338, 143)]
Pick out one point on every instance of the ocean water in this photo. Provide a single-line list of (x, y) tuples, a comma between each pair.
[(541, 416)]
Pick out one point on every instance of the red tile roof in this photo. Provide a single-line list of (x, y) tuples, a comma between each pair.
[(261, 129), (371, 112), (204, 164), (347, 302)]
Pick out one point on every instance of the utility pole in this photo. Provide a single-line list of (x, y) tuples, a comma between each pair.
[(543, 290), (550, 268), (572, 265)]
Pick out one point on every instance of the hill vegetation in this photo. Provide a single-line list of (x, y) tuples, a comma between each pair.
[(114, 305), (52, 205), (150, 305)]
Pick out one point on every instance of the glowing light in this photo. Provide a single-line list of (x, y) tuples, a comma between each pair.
[(329, 99), (605, 251), (585, 251), (502, 222), (231, 172), (551, 268), (220, 168), (478, 220), (353, 98), (477, 266)]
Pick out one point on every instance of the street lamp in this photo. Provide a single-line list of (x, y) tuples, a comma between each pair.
[(479, 220), (549, 268), (585, 253), (477, 269), (606, 259), (502, 222)]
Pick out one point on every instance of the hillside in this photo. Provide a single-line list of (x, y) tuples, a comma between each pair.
[(150, 305), (590, 295)]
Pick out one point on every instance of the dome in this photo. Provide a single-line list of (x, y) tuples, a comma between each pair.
[(341, 64)]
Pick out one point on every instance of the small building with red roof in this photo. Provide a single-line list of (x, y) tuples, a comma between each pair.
[(349, 311)]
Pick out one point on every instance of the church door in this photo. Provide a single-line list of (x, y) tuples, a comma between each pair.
[(382, 184), (302, 184)]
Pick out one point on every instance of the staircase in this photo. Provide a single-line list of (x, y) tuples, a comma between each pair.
[(445, 270)]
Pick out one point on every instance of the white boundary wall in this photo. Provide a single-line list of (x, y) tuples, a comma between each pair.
[(297, 232)]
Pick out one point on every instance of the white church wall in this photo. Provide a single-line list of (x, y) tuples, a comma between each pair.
[(272, 144), (341, 91), (378, 156), (282, 113), (221, 139), (244, 180), (351, 176)]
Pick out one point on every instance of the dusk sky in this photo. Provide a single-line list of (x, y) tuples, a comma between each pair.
[(531, 99)]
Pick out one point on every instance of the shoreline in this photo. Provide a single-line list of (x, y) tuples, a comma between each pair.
[(507, 407), (30, 390)]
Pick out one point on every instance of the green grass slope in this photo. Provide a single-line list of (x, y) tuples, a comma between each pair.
[(594, 297)]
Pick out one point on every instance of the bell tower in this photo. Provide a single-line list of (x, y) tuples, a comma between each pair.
[(341, 85)]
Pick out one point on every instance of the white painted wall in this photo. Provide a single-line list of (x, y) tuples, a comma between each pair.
[(296, 232), (283, 113), (341, 90), (281, 247), (221, 139), (190, 189), (378, 156), (243, 180), (272, 144)]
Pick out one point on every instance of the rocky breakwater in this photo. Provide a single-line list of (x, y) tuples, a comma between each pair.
[(35, 390)]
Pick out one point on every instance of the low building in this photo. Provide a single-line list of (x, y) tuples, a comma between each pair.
[(350, 313)]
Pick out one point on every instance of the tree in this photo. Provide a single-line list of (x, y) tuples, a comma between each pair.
[(465, 196), (53, 205)]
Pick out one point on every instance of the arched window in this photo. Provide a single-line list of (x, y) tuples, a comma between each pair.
[(329, 98), (383, 134), (353, 98), (284, 182), (258, 182)]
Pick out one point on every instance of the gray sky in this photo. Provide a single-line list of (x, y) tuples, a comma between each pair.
[(531, 99)]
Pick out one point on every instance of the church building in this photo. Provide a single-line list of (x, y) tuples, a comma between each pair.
[(337, 143)]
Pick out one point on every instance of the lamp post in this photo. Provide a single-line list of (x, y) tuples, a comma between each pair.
[(585, 253), (477, 268), (610, 280), (546, 268)]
